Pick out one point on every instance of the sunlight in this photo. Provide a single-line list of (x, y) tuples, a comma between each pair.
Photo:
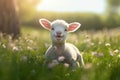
[(96, 6)]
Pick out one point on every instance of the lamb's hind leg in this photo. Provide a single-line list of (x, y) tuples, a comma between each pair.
[(80, 59), (78, 65), (74, 64)]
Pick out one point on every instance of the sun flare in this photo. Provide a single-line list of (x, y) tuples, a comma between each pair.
[(97, 6)]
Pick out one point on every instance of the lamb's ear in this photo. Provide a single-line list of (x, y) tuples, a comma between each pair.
[(45, 23), (73, 26)]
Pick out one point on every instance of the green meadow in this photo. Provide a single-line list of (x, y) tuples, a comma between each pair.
[(23, 53), (22, 59)]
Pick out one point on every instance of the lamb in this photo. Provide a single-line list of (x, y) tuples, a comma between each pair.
[(60, 51)]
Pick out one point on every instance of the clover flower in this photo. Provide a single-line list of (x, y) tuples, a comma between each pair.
[(107, 44)]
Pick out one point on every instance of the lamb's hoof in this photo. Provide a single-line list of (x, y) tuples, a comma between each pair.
[(61, 58)]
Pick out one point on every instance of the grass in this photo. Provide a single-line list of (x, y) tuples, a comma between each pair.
[(23, 58)]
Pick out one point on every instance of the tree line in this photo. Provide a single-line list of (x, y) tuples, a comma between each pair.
[(14, 13)]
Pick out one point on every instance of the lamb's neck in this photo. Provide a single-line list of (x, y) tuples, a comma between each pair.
[(61, 44), (59, 47)]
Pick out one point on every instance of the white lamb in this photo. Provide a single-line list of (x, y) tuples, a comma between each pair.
[(60, 51)]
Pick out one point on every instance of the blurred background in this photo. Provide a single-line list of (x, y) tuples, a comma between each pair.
[(92, 14)]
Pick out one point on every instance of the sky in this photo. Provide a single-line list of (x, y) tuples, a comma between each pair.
[(95, 6)]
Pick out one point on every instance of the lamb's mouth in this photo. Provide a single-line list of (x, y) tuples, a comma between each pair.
[(59, 37)]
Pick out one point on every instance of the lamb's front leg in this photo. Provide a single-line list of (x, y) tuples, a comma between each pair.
[(49, 56), (53, 63), (56, 61)]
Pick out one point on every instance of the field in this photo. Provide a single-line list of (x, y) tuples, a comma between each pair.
[(23, 58)]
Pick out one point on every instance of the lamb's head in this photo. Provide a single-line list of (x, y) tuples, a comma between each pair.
[(59, 28)]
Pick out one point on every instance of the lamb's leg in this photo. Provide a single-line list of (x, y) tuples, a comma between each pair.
[(78, 65), (80, 59), (49, 55), (73, 64), (53, 63)]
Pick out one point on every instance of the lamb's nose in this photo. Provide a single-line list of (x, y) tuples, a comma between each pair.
[(58, 33)]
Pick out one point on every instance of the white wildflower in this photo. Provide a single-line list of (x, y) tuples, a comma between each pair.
[(29, 48), (3, 45), (15, 48), (111, 53), (119, 56), (107, 44), (94, 53), (88, 66), (67, 74), (100, 55), (11, 44), (87, 40), (116, 51), (92, 44), (99, 42), (24, 58), (109, 65), (86, 36), (29, 41), (66, 64)]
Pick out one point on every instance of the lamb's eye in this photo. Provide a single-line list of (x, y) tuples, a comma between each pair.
[(52, 29), (65, 29)]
